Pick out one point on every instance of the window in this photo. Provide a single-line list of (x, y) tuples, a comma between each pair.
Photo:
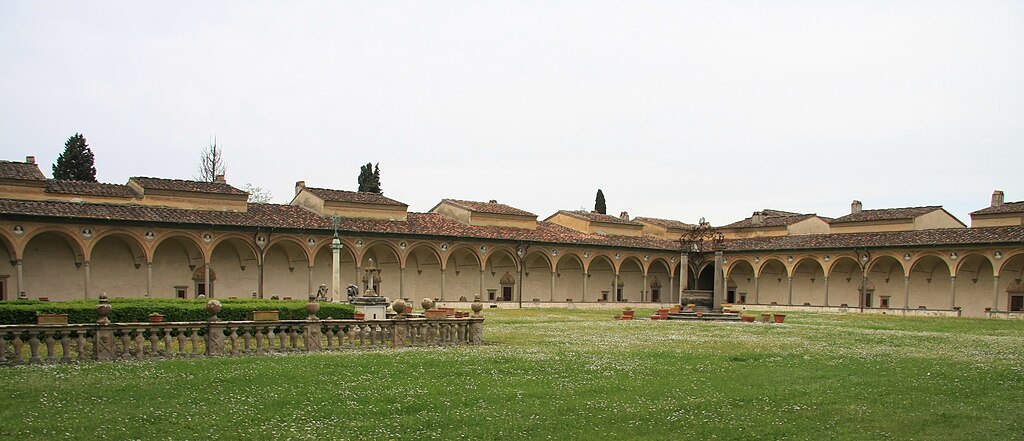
[(883, 302), (506, 293), (181, 292), (1017, 303)]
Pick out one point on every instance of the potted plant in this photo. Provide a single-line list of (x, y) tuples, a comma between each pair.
[(156, 317), (780, 318), (628, 312), (747, 318)]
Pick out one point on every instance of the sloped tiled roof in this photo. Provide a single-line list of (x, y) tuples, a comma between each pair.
[(939, 236), (352, 196), (89, 188), (886, 214), (183, 185), (664, 223), (295, 217), (772, 218), (596, 217), (1009, 207), (488, 207), (20, 171)]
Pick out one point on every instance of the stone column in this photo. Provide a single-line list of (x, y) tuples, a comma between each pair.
[(88, 278), (826, 290), (585, 277), (442, 285), (952, 291), (615, 288), (259, 282), (671, 281), (906, 292), (336, 270), (359, 275), (552, 295), (481, 284), (719, 293), (401, 282), (206, 280), (149, 279), (643, 290), (309, 282), (995, 291), (790, 283), (19, 280), (684, 274)]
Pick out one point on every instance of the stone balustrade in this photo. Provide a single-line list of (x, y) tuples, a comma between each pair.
[(105, 341)]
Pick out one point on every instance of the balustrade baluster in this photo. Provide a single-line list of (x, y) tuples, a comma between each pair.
[(33, 345), (19, 345), (126, 344), (246, 340), (293, 337), (259, 342), (154, 342), (80, 344), (51, 342), (65, 347), (181, 341), (233, 336), (330, 337), (194, 336), (3, 348), (140, 343), (168, 351), (282, 335)]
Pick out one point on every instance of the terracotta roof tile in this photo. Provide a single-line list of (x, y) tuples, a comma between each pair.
[(664, 223), (1009, 207), (596, 217), (488, 207), (89, 188), (884, 214), (183, 185), (942, 236), (352, 196), (20, 171), (772, 218)]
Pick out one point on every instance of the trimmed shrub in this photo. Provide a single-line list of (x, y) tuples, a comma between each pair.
[(21, 312)]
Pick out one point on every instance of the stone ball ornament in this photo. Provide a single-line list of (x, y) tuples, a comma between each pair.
[(213, 307), (427, 304), (398, 306)]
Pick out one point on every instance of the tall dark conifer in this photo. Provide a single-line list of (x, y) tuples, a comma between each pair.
[(599, 203), (369, 178), (76, 163)]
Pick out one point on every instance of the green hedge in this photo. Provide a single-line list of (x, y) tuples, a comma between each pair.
[(174, 310)]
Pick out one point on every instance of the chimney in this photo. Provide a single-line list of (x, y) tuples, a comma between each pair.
[(492, 201), (220, 179), (856, 207), (757, 218), (299, 185), (997, 197), (30, 159), (624, 216)]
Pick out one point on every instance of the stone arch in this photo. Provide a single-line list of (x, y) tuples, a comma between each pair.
[(601, 277), (1011, 278), (631, 275), (286, 273), (323, 270), (131, 238), (885, 273), (499, 262), (462, 272), (1007, 257), (8, 268), (8, 242), (118, 264), (237, 263), (885, 263), (536, 276), (773, 281), (929, 281), (944, 258), (808, 282), (741, 273), (844, 282), (423, 272), (974, 283), (53, 265), (174, 257), (705, 280), (568, 278), (660, 281), (387, 262)]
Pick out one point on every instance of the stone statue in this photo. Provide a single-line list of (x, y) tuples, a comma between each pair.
[(321, 293), (353, 292)]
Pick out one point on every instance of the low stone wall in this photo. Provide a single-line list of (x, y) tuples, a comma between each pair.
[(105, 341), (910, 312)]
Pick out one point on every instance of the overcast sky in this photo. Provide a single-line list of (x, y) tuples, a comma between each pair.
[(676, 109)]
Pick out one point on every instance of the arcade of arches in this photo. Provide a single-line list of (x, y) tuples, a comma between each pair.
[(63, 262)]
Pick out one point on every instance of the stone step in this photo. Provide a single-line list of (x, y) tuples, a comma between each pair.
[(710, 316)]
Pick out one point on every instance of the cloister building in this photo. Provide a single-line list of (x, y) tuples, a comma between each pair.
[(168, 238)]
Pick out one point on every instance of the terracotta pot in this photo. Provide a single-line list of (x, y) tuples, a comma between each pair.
[(779, 318), (747, 318), (156, 319), (359, 316), (628, 313)]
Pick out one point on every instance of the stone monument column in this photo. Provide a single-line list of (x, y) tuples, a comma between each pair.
[(719, 293), (684, 274), (336, 269)]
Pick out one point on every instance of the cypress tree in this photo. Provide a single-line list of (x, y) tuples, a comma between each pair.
[(599, 203), (76, 163), (369, 178)]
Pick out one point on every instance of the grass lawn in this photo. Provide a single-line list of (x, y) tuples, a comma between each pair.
[(564, 374)]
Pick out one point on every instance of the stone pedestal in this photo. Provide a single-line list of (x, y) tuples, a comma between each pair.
[(373, 312)]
